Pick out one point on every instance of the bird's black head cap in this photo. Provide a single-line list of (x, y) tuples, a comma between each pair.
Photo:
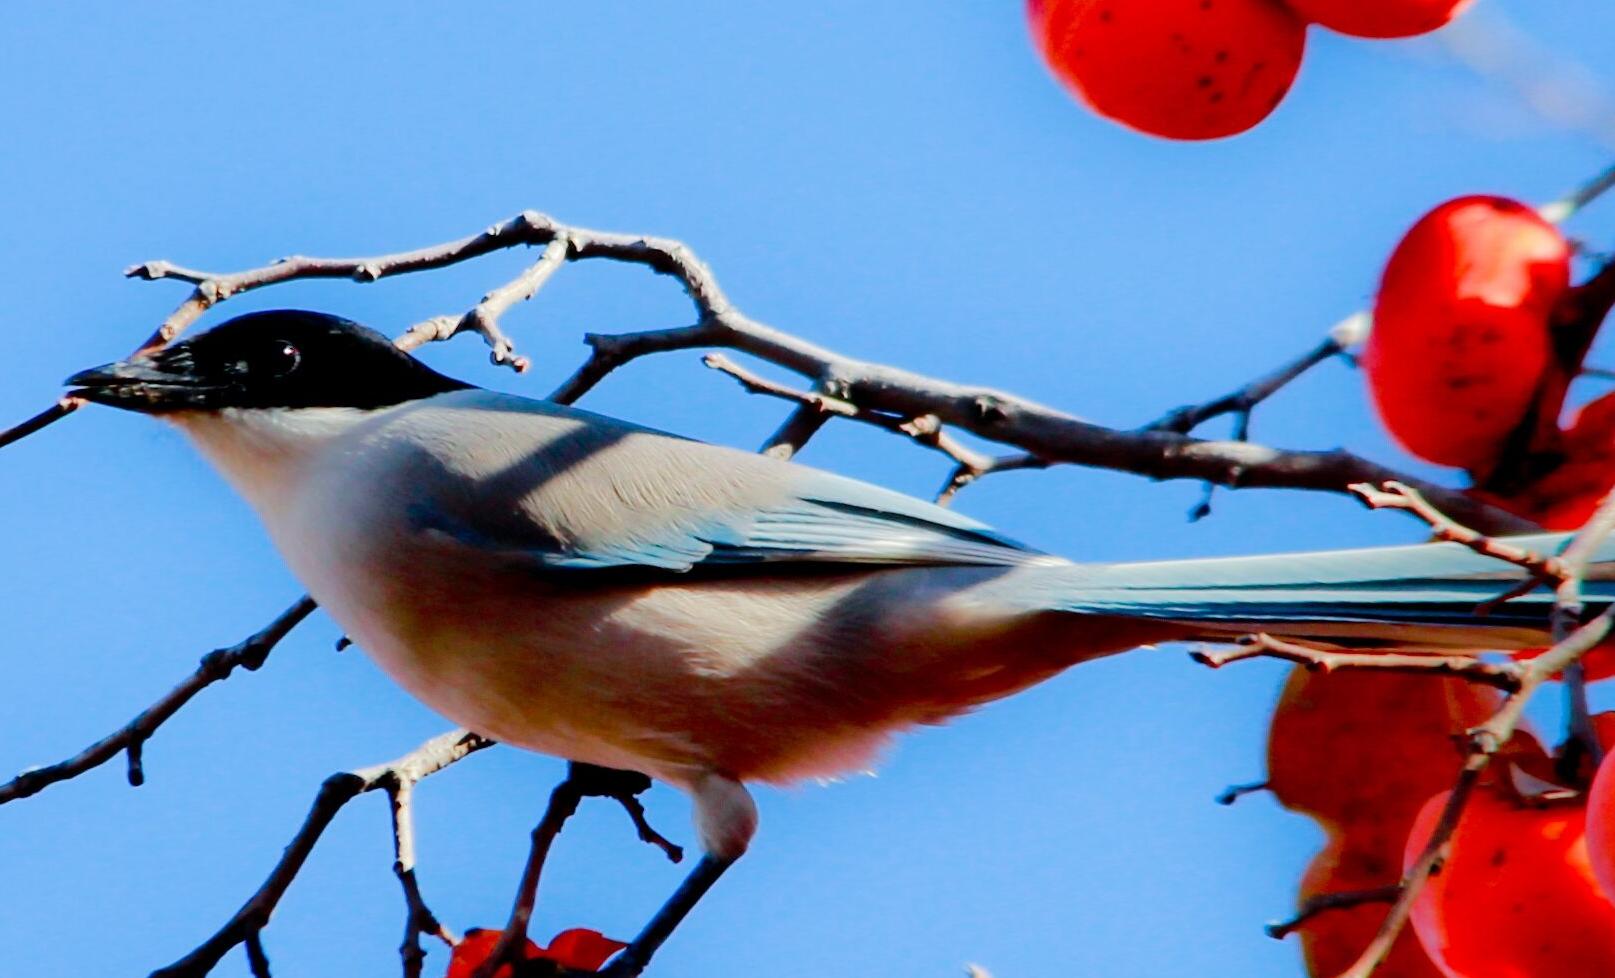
[(284, 358)]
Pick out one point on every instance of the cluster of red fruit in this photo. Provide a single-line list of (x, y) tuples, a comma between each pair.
[(572, 951), (1476, 338), (1527, 890), (1202, 69)]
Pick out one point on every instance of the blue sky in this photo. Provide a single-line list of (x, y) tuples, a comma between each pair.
[(898, 180)]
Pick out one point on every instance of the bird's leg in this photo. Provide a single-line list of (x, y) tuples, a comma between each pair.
[(725, 818)]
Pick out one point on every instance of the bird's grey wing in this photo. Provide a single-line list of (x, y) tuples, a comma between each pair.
[(592, 493)]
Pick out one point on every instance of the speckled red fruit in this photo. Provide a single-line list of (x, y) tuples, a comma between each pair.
[(1361, 751), (1460, 344), (1566, 497), (1601, 812), (1184, 69), (474, 949), (1517, 899), (1330, 942), (1379, 18)]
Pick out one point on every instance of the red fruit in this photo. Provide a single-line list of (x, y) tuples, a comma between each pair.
[(580, 949), (1184, 69), (1566, 497), (1379, 18), (1361, 751), (1330, 942), (1460, 346), (474, 949), (577, 949), (1517, 898), (1601, 813)]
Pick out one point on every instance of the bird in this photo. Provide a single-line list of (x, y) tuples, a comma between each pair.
[(607, 593)]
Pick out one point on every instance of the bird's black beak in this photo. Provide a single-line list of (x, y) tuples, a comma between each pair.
[(155, 384)]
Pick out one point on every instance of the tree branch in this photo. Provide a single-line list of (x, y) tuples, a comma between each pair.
[(1504, 676), (1243, 400), (1396, 495), (396, 777), (43, 419), (1323, 903), (249, 654), (1044, 433), (582, 781)]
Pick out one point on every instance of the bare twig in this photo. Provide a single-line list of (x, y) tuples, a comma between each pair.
[(1395, 495), (1048, 434), (1242, 401), (339, 789), (1045, 434), (43, 419), (1504, 676), (1568, 610), (249, 654), (1323, 903), (1234, 792), (484, 318), (257, 960), (814, 409), (582, 781)]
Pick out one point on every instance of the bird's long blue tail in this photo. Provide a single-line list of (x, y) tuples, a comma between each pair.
[(1435, 595)]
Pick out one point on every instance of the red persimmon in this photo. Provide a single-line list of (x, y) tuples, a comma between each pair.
[(1601, 811), (1461, 342), (1183, 69), (1517, 897), (1330, 942), (1361, 751), (474, 949), (1379, 18)]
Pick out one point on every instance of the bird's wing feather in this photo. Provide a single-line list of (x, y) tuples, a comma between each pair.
[(595, 493)]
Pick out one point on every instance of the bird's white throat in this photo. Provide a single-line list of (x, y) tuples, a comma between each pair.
[(263, 451)]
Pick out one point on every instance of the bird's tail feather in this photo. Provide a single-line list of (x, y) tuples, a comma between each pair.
[(1433, 596)]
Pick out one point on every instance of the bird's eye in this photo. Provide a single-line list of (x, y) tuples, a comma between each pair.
[(280, 359)]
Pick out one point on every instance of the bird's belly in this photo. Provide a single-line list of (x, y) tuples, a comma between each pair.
[(673, 680), (776, 679)]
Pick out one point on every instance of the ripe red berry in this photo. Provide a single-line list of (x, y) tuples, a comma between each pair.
[(474, 949), (1517, 897), (1184, 69), (1330, 942), (1460, 346), (581, 949), (1401, 733), (1379, 18)]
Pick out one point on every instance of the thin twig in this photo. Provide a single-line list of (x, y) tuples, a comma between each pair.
[(1504, 676), (1242, 401), (1323, 903), (1234, 792), (582, 781), (1396, 495), (418, 917), (257, 960), (1049, 435), (339, 789), (249, 654), (926, 430), (1568, 610), (484, 318), (43, 419)]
